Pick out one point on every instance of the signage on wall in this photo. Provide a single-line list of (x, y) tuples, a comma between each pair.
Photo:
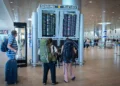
[(58, 6), (3, 31)]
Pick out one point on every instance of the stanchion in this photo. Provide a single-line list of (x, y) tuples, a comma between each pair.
[(118, 54), (115, 48)]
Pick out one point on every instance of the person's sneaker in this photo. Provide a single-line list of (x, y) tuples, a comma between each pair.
[(44, 83), (54, 83), (73, 78)]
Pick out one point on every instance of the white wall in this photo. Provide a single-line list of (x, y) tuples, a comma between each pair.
[(116, 35), (113, 34), (89, 35)]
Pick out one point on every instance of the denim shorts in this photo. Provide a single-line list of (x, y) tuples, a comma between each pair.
[(67, 61)]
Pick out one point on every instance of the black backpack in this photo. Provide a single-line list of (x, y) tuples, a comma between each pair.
[(68, 52), (4, 46)]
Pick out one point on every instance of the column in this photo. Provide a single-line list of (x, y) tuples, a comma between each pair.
[(72, 2), (81, 40), (34, 39), (104, 32)]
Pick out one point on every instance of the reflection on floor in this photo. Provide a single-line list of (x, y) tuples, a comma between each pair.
[(102, 68)]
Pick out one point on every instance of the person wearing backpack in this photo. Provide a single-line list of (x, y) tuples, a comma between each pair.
[(48, 57), (68, 52), (12, 45), (11, 65)]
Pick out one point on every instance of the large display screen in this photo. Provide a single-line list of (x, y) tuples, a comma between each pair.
[(3, 31)]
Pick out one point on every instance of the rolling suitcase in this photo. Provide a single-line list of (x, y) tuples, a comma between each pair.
[(11, 72)]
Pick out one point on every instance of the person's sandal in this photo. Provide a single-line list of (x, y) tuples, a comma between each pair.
[(73, 78), (65, 81)]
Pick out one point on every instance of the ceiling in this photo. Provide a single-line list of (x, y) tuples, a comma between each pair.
[(93, 10), (94, 13), (5, 19)]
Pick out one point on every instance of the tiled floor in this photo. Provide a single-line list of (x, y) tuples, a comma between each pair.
[(102, 68)]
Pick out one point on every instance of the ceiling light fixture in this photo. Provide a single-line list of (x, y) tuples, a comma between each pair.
[(11, 2), (104, 23), (29, 19), (113, 12), (104, 11), (90, 2), (12, 9)]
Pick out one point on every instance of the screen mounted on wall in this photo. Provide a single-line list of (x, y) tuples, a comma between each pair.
[(3, 31)]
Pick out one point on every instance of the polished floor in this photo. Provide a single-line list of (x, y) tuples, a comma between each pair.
[(102, 68)]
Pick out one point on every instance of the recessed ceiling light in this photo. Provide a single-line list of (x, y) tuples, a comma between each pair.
[(113, 12), (104, 11), (11, 2), (90, 1), (104, 23), (92, 15), (29, 19), (12, 9)]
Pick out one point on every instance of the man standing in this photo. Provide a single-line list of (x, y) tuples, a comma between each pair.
[(12, 45), (11, 65)]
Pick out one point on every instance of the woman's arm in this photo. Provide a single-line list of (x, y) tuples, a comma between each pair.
[(62, 49), (75, 51), (56, 51)]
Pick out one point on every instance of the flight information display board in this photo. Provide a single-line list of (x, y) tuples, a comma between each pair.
[(3, 31), (58, 6)]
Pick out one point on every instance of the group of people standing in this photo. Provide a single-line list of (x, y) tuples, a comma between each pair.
[(48, 56), (68, 50), (88, 42)]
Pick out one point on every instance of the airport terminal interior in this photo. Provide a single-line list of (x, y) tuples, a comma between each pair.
[(94, 25)]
